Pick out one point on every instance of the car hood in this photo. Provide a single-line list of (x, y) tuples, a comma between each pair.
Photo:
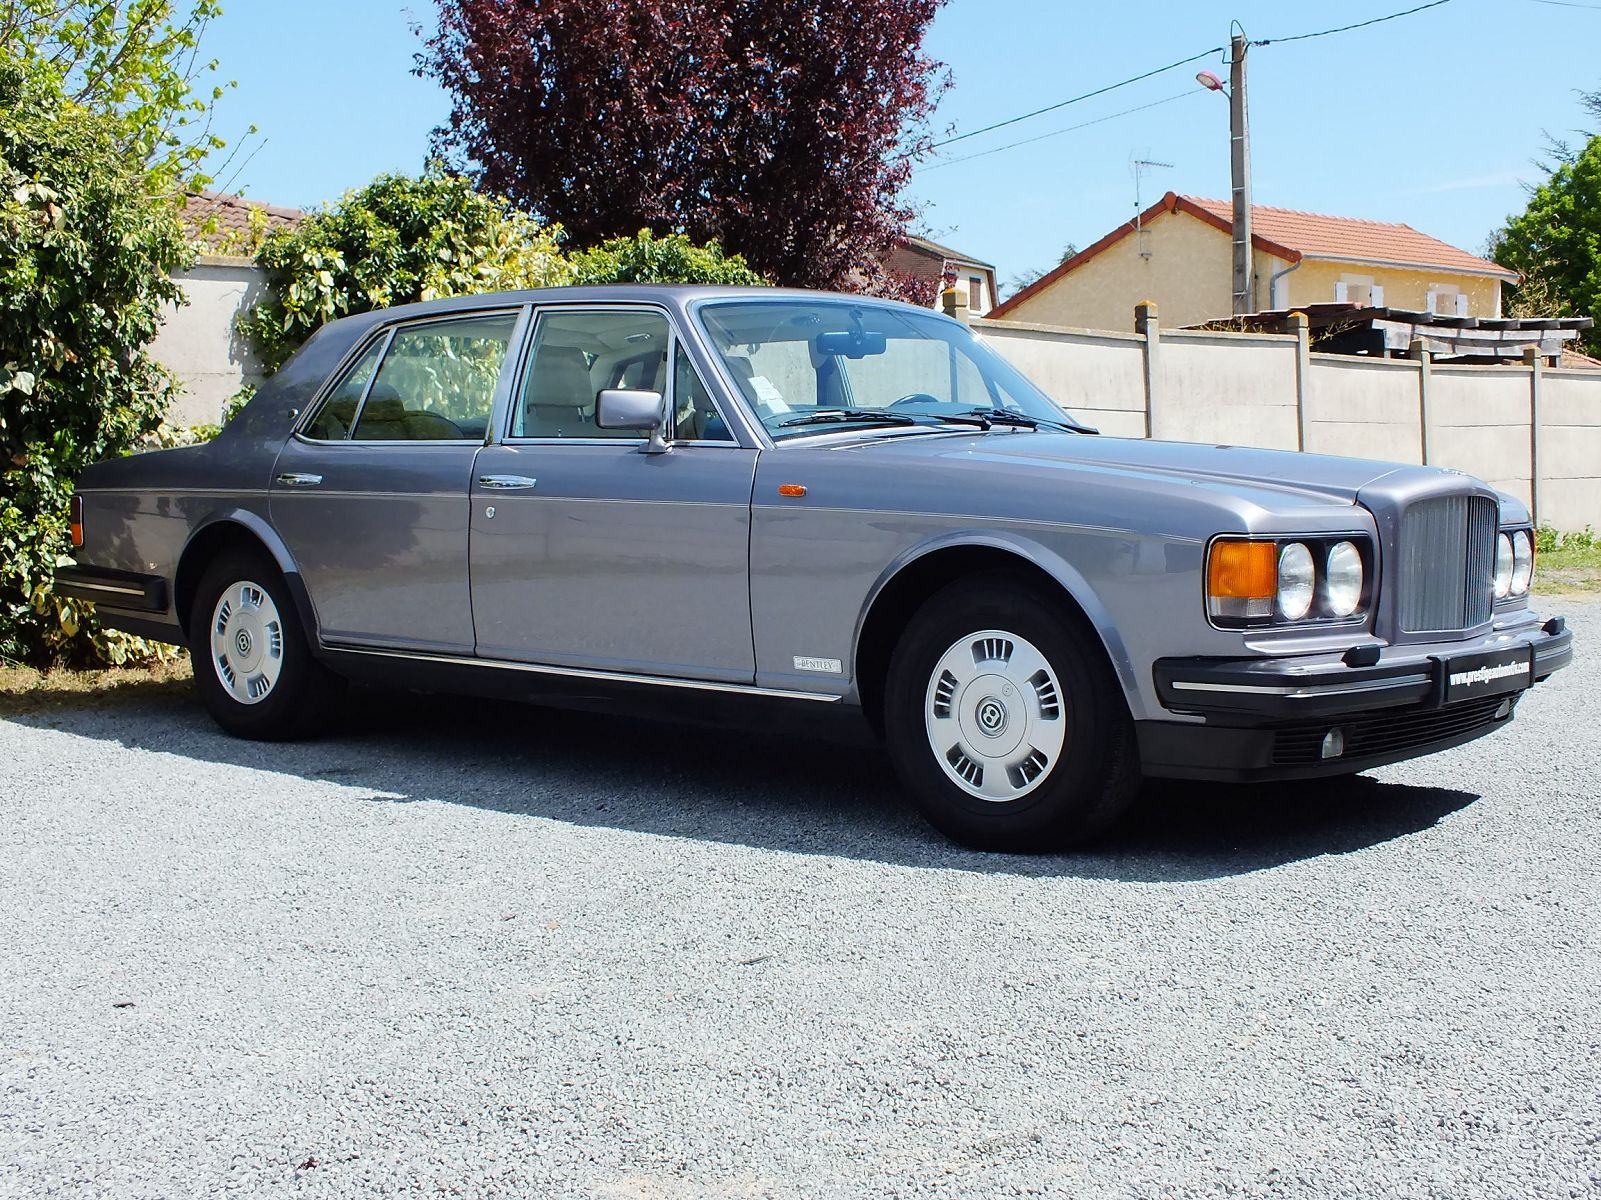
[(1313, 476)]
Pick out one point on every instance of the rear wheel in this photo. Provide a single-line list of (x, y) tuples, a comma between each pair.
[(1008, 729), (253, 666)]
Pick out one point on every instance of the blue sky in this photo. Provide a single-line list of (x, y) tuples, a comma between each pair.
[(1434, 119)]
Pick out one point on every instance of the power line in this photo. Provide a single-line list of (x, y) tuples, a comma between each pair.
[(951, 162), (1111, 87), (1301, 37), (1570, 4)]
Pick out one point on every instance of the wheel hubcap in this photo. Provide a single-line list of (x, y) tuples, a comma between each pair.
[(994, 715), (247, 642)]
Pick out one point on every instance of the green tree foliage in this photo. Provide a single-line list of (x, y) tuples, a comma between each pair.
[(396, 240), (645, 258), (137, 64), (1555, 243), (86, 255)]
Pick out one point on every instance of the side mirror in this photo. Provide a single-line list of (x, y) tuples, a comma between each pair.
[(634, 408)]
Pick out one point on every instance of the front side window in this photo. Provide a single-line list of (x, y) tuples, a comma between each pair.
[(801, 363), (697, 417), (437, 381), (576, 356)]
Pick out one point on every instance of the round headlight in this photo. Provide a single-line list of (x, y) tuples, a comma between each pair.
[(1503, 566), (1522, 562), (1342, 575), (1297, 581)]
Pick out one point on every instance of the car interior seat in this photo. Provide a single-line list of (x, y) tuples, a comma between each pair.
[(559, 397)]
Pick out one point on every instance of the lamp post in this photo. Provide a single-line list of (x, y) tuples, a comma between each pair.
[(1240, 169)]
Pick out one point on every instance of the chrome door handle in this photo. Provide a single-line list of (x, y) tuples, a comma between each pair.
[(299, 479), (507, 482)]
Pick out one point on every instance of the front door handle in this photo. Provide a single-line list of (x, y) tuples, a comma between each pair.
[(507, 483), (299, 479)]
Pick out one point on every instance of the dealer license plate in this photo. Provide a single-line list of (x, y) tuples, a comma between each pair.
[(1490, 674)]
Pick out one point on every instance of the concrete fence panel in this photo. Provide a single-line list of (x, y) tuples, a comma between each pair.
[(1363, 408), (1207, 393), (1570, 459), (1096, 376), (1481, 425)]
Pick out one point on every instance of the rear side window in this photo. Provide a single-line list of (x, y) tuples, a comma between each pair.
[(433, 381), (338, 413), (437, 381)]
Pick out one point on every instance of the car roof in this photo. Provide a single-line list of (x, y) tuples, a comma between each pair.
[(673, 294)]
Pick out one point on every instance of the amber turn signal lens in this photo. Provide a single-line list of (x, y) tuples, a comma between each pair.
[(792, 489), (1243, 570), (77, 520)]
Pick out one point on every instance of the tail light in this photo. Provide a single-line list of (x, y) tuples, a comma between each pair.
[(76, 511)]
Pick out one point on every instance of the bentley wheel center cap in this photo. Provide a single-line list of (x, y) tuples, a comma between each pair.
[(991, 715)]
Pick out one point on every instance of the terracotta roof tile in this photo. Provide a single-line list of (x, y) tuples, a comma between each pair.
[(1316, 235), (221, 221)]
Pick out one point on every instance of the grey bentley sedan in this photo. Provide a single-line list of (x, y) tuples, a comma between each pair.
[(812, 500)]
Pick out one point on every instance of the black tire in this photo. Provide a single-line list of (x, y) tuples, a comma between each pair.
[(1082, 789), (302, 695)]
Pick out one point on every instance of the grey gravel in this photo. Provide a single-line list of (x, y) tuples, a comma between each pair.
[(465, 949)]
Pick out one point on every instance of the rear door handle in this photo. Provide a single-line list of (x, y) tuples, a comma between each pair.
[(507, 483), (299, 479)]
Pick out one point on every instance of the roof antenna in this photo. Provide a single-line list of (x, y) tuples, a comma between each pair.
[(1140, 166)]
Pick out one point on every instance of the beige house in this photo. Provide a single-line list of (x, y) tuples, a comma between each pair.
[(924, 259), (1179, 253)]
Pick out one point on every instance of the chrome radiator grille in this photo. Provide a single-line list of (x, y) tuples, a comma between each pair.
[(1447, 570)]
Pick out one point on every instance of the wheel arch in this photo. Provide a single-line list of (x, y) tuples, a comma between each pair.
[(223, 531), (903, 586)]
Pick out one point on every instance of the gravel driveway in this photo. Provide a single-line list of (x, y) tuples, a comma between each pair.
[(462, 949)]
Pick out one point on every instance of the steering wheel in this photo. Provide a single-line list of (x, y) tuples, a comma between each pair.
[(912, 398)]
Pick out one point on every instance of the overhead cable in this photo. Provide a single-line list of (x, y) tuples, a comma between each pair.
[(1111, 87)]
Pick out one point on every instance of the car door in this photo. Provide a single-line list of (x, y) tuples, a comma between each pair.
[(588, 551), (371, 493)]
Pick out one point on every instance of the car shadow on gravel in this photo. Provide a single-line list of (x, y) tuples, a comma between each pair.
[(821, 794)]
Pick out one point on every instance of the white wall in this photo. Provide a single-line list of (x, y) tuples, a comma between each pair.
[(1270, 390), (197, 340)]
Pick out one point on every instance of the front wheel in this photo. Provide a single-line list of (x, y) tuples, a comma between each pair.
[(1008, 729), (253, 666)]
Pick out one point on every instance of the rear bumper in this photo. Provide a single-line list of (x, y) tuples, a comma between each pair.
[(1269, 718), (115, 589), (124, 600)]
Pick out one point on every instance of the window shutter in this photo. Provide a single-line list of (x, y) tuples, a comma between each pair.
[(1340, 292), (1461, 304), (1378, 295)]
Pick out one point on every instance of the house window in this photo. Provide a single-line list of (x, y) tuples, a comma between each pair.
[(1447, 300), (975, 294), (1358, 289)]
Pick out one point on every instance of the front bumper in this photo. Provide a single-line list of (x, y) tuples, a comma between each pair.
[(1268, 718)]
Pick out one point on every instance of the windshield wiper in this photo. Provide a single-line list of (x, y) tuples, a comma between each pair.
[(837, 416), (1005, 416)]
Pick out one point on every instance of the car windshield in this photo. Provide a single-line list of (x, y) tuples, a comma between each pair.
[(813, 366)]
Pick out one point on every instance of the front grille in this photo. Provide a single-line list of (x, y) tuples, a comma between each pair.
[(1447, 572), (1391, 731)]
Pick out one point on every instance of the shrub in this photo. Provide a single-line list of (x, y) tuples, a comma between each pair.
[(397, 240), (645, 258), (86, 255)]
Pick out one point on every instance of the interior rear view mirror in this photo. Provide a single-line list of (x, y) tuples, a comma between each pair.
[(855, 343)]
